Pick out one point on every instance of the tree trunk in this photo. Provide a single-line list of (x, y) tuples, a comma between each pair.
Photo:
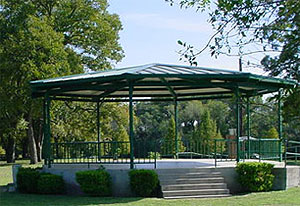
[(31, 142), (39, 140), (25, 148), (10, 150)]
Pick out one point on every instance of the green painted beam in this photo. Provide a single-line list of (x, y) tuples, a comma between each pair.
[(171, 90), (148, 95), (145, 100)]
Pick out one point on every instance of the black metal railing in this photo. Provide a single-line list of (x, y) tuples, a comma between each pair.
[(145, 152)]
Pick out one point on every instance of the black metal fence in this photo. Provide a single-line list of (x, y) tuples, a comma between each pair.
[(148, 152)]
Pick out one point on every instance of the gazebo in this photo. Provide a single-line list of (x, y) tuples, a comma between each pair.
[(156, 82)]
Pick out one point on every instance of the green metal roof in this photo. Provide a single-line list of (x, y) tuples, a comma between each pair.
[(159, 80)]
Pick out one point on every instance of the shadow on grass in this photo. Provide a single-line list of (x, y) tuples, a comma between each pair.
[(18, 199)]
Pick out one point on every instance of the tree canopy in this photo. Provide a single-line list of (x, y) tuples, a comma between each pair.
[(42, 39), (244, 27)]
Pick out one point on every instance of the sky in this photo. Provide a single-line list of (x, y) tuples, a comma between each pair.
[(151, 29)]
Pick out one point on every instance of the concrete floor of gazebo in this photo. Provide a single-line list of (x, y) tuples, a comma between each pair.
[(166, 164)]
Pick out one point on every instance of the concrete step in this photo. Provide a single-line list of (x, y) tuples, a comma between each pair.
[(185, 170), (192, 180), (198, 196), (195, 192), (192, 183), (194, 186), (190, 175)]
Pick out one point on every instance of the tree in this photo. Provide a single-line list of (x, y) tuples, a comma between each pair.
[(27, 54), (207, 127), (246, 27), (152, 120), (168, 146), (220, 112), (205, 132), (190, 115), (42, 39), (272, 134)]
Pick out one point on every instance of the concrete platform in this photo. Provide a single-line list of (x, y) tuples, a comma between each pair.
[(167, 164), (284, 177)]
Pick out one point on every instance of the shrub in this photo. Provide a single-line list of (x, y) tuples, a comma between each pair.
[(27, 179), (143, 182), (255, 176), (95, 182), (50, 184), (151, 155)]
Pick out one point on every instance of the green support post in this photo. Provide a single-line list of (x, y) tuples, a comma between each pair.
[(238, 132), (248, 127), (98, 131), (131, 133), (44, 148), (176, 127), (259, 149), (280, 124), (215, 151), (47, 131)]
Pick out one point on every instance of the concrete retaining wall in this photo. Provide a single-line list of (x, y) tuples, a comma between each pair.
[(284, 178), (120, 180)]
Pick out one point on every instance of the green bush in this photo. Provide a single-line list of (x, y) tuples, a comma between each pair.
[(27, 179), (153, 155), (95, 182), (143, 182), (50, 184), (255, 176)]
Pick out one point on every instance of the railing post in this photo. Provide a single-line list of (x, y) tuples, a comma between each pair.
[(259, 149), (285, 151), (280, 150), (215, 145), (296, 153), (131, 133), (155, 150)]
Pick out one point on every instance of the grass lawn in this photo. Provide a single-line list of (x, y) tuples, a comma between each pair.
[(289, 197), (6, 171)]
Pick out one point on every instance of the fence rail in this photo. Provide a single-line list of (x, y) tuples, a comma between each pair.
[(147, 152), (292, 152), (114, 152)]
